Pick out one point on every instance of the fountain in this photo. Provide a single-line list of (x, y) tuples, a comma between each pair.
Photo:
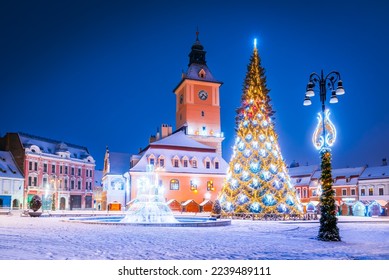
[(149, 205), (150, 209)]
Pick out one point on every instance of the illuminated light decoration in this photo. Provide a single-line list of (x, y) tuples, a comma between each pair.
[(237, 168), (228, 206), (269, 200), (277, 185), (254, 183), (246, 191), (249, 137), (273, 169), (290, 185), (282, 177), (265, 175), (245, 176), (300, 208), (228, 177), (281, 208), (222, 198), (330, 132), (234, 184), (247, 153), (242, 199), (237, 140), (254, 166), (290, 200), (255, 207)]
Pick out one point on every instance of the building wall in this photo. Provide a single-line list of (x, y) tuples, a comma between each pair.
[(185, 192), (12, 188), (57, 184)]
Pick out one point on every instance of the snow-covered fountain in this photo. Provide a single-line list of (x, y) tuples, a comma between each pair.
[(149, 206)]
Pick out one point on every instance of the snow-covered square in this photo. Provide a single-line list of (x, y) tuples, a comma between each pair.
[(50, 238)]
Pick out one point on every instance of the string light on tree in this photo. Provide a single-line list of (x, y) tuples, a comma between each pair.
[(257, 182)]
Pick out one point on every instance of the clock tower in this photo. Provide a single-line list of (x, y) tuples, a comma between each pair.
[(197, 101)]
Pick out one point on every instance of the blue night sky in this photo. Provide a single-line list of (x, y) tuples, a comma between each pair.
[(97, 73)]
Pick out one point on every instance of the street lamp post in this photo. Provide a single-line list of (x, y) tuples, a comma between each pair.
[(323, 138)]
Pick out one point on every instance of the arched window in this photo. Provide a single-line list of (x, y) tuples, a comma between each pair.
[(174, 184)]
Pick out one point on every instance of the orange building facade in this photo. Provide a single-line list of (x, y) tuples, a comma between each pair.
[(188, 162)]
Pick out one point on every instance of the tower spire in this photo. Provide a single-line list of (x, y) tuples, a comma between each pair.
[(197, 54)]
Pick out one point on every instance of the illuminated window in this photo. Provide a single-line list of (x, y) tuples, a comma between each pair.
[(210, 186), (174, 184), (370, 191), (363, 192), (193, 186)]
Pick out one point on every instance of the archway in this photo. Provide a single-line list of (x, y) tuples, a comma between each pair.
[(62, 203), (15, 204)]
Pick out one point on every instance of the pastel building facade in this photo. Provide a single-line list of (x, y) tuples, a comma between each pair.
[(115, 181), (11, 183), (190, 173), (62, 174)]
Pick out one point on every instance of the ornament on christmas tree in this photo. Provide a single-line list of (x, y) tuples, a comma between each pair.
[(257, 181)]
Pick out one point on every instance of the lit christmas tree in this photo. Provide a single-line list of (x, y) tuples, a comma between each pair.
[(257, 181)]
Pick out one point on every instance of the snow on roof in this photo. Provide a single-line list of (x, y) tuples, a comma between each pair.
[(51, 146), (180, 139), (169, 154), (8, 167), (188, 201), (205, 202), (119, 162), (376, 172), (302, 170), (342, 172)]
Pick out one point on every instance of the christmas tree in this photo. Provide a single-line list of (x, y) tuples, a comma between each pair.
[(257, 181)]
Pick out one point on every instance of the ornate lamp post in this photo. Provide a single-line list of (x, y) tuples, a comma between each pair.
[(323, 138)]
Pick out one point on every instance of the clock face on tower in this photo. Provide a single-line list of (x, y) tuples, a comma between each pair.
[(203, 95)]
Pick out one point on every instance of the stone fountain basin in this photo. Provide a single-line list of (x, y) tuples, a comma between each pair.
[(182, 221)]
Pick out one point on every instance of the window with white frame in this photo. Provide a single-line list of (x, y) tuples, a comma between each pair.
[(344, 192)]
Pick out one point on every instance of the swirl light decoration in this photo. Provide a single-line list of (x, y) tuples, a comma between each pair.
[(324, 135)]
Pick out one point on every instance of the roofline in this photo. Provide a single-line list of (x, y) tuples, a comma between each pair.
[(52, 140), (214, 82)]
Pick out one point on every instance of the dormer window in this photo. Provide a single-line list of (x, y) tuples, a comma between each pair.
[(194, 163), (207, 165), (202, 74), (216, 165), (175, 161)]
